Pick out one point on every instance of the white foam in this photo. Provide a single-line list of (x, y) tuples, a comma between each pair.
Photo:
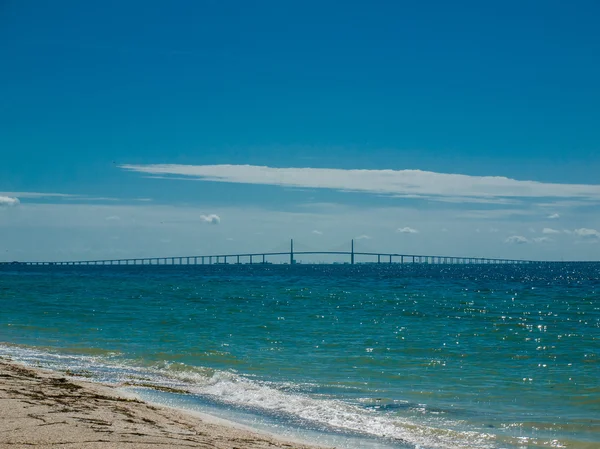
[(331, 414), (263, 397)]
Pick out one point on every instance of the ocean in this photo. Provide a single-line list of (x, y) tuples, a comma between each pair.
[(357, 356)]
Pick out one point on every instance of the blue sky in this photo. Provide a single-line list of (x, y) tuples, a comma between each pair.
[(127, 125)]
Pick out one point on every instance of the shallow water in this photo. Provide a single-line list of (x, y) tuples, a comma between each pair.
[(430, 356)]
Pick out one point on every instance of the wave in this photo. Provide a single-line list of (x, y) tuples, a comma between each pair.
[(290, 402)]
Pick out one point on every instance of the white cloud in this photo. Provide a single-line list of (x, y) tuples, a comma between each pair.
[(542, 239), (516, 239), (317, 232), (212, 219), (587, 233), (493, 214), (8, 201), (62, 196), (580, 202), (463, 199), (550, 231), (113, 218), (414, 183), (554, 216), (363, 237), (37, 195), (407, 230)]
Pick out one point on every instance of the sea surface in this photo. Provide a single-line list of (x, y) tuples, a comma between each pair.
[(360, 356)]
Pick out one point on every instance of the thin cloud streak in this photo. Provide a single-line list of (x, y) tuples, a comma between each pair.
[(407, 183), (66, 197), (38, 195)]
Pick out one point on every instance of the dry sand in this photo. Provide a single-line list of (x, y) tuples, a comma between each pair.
[(42, 409)]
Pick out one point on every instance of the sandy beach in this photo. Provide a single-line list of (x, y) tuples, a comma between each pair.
[(44, 409)]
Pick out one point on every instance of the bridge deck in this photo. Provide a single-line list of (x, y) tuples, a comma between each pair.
[(252, 258), (257, 258)]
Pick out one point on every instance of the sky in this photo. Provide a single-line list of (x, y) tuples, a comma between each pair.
[(151, 129)]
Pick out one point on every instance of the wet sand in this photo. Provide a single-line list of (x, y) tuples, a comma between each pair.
[(44, 409)]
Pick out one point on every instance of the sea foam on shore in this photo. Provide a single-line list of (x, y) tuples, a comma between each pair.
[(42, 408)]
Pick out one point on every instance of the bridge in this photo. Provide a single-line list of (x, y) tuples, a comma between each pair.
[(351, 257)]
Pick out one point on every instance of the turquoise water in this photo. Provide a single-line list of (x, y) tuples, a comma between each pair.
[(427, 356)]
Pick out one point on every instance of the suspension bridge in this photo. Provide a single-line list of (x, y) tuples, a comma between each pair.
[(289, 256)]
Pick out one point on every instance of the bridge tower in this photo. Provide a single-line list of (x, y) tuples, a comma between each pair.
[(292, 252), (352, 253)]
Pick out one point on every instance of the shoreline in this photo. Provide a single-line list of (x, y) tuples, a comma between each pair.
[(43, 408)]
